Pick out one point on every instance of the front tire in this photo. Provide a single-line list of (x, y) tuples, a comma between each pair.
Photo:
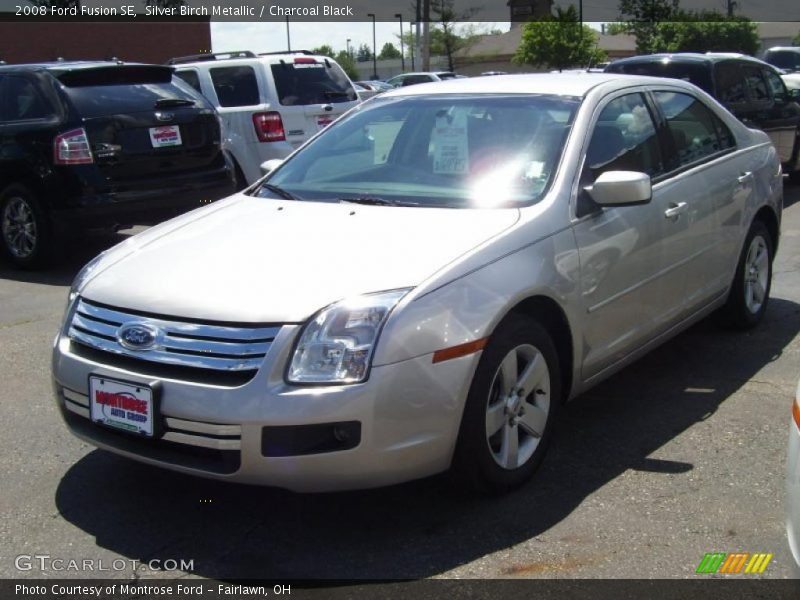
[(510, 407), (749, 294), (24, 229)]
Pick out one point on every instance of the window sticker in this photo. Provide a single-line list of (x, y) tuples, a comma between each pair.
[(450, 144)]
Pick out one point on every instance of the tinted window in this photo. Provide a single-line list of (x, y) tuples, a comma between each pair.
[(312, 83), (730, 83), (191, 78), (454, 151), (624, 139), (776, 86), (235, 86), (784, 59), (696, 132), (102, 100), (756, 86), (415, 79), (696, 73), (21, 101)]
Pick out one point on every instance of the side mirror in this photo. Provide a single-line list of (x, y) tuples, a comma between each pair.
[(269, 166), (621, 188)]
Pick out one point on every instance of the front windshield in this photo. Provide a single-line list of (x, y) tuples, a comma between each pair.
[(437, 151)]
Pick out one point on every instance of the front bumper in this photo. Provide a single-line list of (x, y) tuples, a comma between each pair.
[(408, 415)]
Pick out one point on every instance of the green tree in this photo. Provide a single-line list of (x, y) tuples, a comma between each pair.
[(796, 40), (558, 42), (388, 52), (449, 38), (324, 50), (616, 28), (348, 65), (707, 31), (363, 54), (642, 18)]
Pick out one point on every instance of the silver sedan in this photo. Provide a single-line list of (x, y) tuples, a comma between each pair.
[(423, 284)]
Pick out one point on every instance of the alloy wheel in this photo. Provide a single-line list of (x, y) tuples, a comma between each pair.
[(19, 227)]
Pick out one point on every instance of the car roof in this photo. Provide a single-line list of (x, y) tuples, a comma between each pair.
[(61, 65), (688, 57), (557, 84)]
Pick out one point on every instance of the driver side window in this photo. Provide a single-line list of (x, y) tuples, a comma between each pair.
[(624, 139)]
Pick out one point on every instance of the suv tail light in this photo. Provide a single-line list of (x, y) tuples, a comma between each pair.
[(72, 148), (269, 127)]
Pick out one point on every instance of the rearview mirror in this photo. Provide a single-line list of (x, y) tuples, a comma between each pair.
[(621, 188), (269, 166)]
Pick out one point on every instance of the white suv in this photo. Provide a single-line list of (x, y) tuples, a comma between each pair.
[(270, 103)]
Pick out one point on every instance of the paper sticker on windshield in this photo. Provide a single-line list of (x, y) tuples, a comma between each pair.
[(450, 144)]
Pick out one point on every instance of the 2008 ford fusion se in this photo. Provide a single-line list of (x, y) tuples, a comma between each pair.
[(423, 284)]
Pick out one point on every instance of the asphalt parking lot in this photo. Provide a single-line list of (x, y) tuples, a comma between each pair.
[(681, 454)]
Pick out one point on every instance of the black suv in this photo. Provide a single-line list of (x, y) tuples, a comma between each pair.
[(100, 145), (749, 88), (786, 58)]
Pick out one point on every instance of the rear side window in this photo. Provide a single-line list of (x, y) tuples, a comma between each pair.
[(235, 86), (696, 73), (191, 78), (731, 84), (21, 101), (696, 132), (311, 82), (624, 139)]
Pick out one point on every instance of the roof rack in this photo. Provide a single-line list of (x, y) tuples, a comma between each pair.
[(211, 56), (307, 52)]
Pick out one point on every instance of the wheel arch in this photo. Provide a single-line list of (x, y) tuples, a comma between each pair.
[(550, 315), (766, 214)]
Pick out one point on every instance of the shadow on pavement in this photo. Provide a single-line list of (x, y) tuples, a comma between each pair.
[(427, 527), (73, 255)]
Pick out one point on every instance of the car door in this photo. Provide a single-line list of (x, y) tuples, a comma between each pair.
[(626, 286), (709, 187)]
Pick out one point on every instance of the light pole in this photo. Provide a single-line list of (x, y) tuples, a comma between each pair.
[(374, 54), (349, 54), (411, 47), (288, 39), (402, 51)]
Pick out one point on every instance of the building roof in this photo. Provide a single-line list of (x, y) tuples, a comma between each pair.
[(506, 44)]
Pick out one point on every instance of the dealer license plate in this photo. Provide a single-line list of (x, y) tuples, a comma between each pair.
[(121, 405), (168, 135)]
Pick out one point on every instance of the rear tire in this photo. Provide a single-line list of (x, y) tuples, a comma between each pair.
[(510, 408), (25, 231), (749, 293)]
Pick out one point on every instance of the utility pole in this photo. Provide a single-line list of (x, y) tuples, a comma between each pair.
[(731, 7), (288, 38)]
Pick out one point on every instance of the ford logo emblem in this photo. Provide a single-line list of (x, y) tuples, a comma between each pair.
[(164, 116), (137, 336)]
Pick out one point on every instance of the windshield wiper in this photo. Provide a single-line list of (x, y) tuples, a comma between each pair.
[(279, 191), (375, 201)]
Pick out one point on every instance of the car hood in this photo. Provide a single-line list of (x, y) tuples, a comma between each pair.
[(267, 261)]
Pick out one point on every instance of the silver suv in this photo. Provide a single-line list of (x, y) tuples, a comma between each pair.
[(269, 103)]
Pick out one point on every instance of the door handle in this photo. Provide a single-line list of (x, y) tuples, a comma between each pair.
[(744, 177), (675, 210)]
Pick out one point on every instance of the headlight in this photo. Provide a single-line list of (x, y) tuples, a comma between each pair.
[(336, 346)]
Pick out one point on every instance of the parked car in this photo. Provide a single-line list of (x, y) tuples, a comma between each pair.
[(792, 83), (364, 93), (423, 284), (100, 145), (376, 85), (406, 79), (793, 481), (786, 58), (270, 103), (751, 89)]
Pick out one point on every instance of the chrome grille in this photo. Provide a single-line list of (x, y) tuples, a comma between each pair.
[(181, 343)]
